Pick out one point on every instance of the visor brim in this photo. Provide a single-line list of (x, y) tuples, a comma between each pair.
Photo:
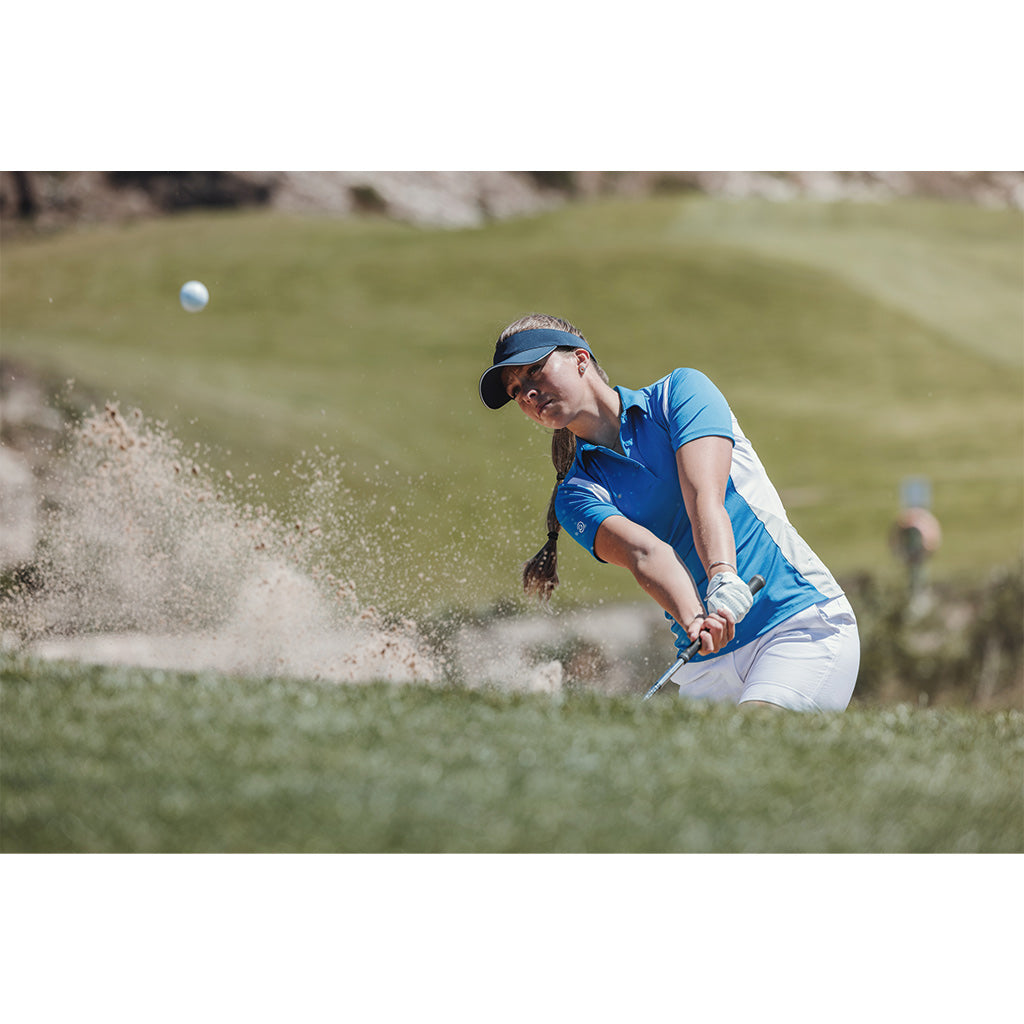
[(492, 389)]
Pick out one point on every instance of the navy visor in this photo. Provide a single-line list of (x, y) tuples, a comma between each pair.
[(521, 349)]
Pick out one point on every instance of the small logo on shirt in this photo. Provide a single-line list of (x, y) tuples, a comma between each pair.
[(580, 527)]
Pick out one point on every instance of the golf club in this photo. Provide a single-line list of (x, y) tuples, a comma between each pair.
[(755, 584)]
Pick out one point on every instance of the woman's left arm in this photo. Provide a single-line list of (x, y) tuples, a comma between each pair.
[(704, 465)]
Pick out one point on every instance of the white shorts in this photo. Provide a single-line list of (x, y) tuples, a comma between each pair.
[(807, 663)]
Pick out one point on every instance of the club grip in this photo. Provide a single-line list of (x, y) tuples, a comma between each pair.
[(755, 583)]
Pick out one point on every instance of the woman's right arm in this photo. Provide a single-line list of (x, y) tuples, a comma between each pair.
[(660, 573)]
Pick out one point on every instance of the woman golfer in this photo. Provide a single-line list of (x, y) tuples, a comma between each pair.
[(663, 482)]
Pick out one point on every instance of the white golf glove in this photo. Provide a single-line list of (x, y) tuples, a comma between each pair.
[(728, 592)]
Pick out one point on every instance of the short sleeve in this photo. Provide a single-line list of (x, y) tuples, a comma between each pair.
[(693, 407), (581, 506)]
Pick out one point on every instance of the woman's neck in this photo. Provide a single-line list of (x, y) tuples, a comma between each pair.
[(600, 423)]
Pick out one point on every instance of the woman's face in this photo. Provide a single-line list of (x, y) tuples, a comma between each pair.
[(549, 390)]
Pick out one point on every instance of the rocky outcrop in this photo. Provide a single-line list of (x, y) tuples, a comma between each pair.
[(454, 199)]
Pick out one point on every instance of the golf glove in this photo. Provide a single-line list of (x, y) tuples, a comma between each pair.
[(728, 592)]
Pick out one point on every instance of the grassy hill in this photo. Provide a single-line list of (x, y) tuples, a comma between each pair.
[(858, 345)]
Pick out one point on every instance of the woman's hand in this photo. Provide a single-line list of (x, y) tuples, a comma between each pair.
[(714, 631), (727, 592)]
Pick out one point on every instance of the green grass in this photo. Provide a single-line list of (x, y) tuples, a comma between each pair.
[(125, 760), (858, 344)]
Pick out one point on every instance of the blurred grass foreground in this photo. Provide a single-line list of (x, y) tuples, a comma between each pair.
[(111, 760)]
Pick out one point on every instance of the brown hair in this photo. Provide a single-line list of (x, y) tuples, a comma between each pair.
[(540, 573)]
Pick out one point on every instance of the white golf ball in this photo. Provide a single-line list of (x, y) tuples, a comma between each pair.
[(194, 296)]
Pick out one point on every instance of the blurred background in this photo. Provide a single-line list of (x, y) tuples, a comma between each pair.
[(866, 327)]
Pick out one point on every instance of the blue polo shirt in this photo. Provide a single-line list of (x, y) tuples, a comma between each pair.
[(643, 485)]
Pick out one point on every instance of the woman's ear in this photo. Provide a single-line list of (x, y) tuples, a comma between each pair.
[(582, 360)]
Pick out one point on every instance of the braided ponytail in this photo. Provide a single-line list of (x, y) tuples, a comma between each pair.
[(540, 573)]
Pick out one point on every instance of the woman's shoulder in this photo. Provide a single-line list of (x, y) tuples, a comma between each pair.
[(684, 373), (679, 384), (681, 375)]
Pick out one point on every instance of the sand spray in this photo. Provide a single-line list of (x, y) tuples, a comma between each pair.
[(149, 557)]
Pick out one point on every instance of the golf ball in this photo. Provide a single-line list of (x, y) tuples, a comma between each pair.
[(194, 296)]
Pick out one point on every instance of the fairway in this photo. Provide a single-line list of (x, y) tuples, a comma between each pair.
[(362, 340), (122, 760)]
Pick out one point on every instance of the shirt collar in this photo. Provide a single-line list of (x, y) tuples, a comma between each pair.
[(633, 399)]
